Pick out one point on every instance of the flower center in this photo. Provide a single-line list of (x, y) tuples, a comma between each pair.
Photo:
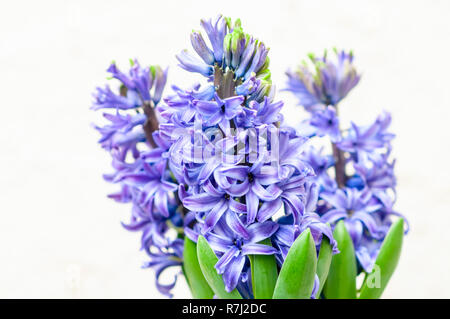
[(238, 243)]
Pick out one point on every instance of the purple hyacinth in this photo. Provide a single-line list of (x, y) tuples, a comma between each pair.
[(328, 84), (239, 165), (364, 199), (140, 163)]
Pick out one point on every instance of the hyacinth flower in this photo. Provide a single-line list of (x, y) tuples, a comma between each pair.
[(222, 190), (326, 82), (131, 137), (356, 180), (240, 165)]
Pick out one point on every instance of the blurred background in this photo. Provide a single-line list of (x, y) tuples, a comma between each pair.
[(61, 237)]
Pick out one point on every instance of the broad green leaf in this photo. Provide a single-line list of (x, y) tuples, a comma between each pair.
[(296, 278), (194, 276), (207, 259), (323, 262), (385, 263), (341, 281), (264, 274)]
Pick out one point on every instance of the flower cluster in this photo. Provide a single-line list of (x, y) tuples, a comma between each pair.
[(213, 160), (139, 163), (357, 181), (241, 176)]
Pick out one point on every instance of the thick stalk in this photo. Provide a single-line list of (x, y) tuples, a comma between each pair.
[(339, 166), (225, 87), (151, 124), (225, 83), (339, 160)]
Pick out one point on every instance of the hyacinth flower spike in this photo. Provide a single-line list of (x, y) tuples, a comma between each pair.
[(361, 203)]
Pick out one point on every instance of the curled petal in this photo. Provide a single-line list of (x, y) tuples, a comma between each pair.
[(252, 202), (258, 249), (268, 209), (260, 231), (200, 202), (219, 243), (266, 194), (233, 272), (226, 258), (214, 215), (235, 223)]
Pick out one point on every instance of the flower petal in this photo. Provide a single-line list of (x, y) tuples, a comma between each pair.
[(268, 209), (260, 231), (235, 223), (258, 249), (233, 272), (223, 262), (200, 202), (252, 203), (214, 215)]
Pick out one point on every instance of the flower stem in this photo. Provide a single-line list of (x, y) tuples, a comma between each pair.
[(151, 124), (339, 166), (339, 160)]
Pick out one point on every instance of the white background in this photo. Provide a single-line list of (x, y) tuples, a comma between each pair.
[(61, 237)]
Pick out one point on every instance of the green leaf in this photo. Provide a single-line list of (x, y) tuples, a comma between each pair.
[(323, 262), (264, 274), (385, 264), (341, 281), (296, 278), (207, 259), (194, 276)]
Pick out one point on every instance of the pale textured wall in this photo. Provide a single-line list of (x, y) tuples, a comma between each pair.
[(60, 236)]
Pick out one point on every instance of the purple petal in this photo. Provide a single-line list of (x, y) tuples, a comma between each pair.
[(338, 199), (137, 178), (313, 195), (240, 189), (233, 272), (136, 225), (295, 204), (235, 223), (207, 170), (219, 243), (161, 203), (285, 235), (237, 207), (212, 190), (207, 108), (214, 215), (370, 224), (221, 180), (235, 172), (334, 215), (200, 202), (252, 203), (266, 194), (228, 256), (261, 231), (268, 209), (258, 249), (355, 230), (267, 175)]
